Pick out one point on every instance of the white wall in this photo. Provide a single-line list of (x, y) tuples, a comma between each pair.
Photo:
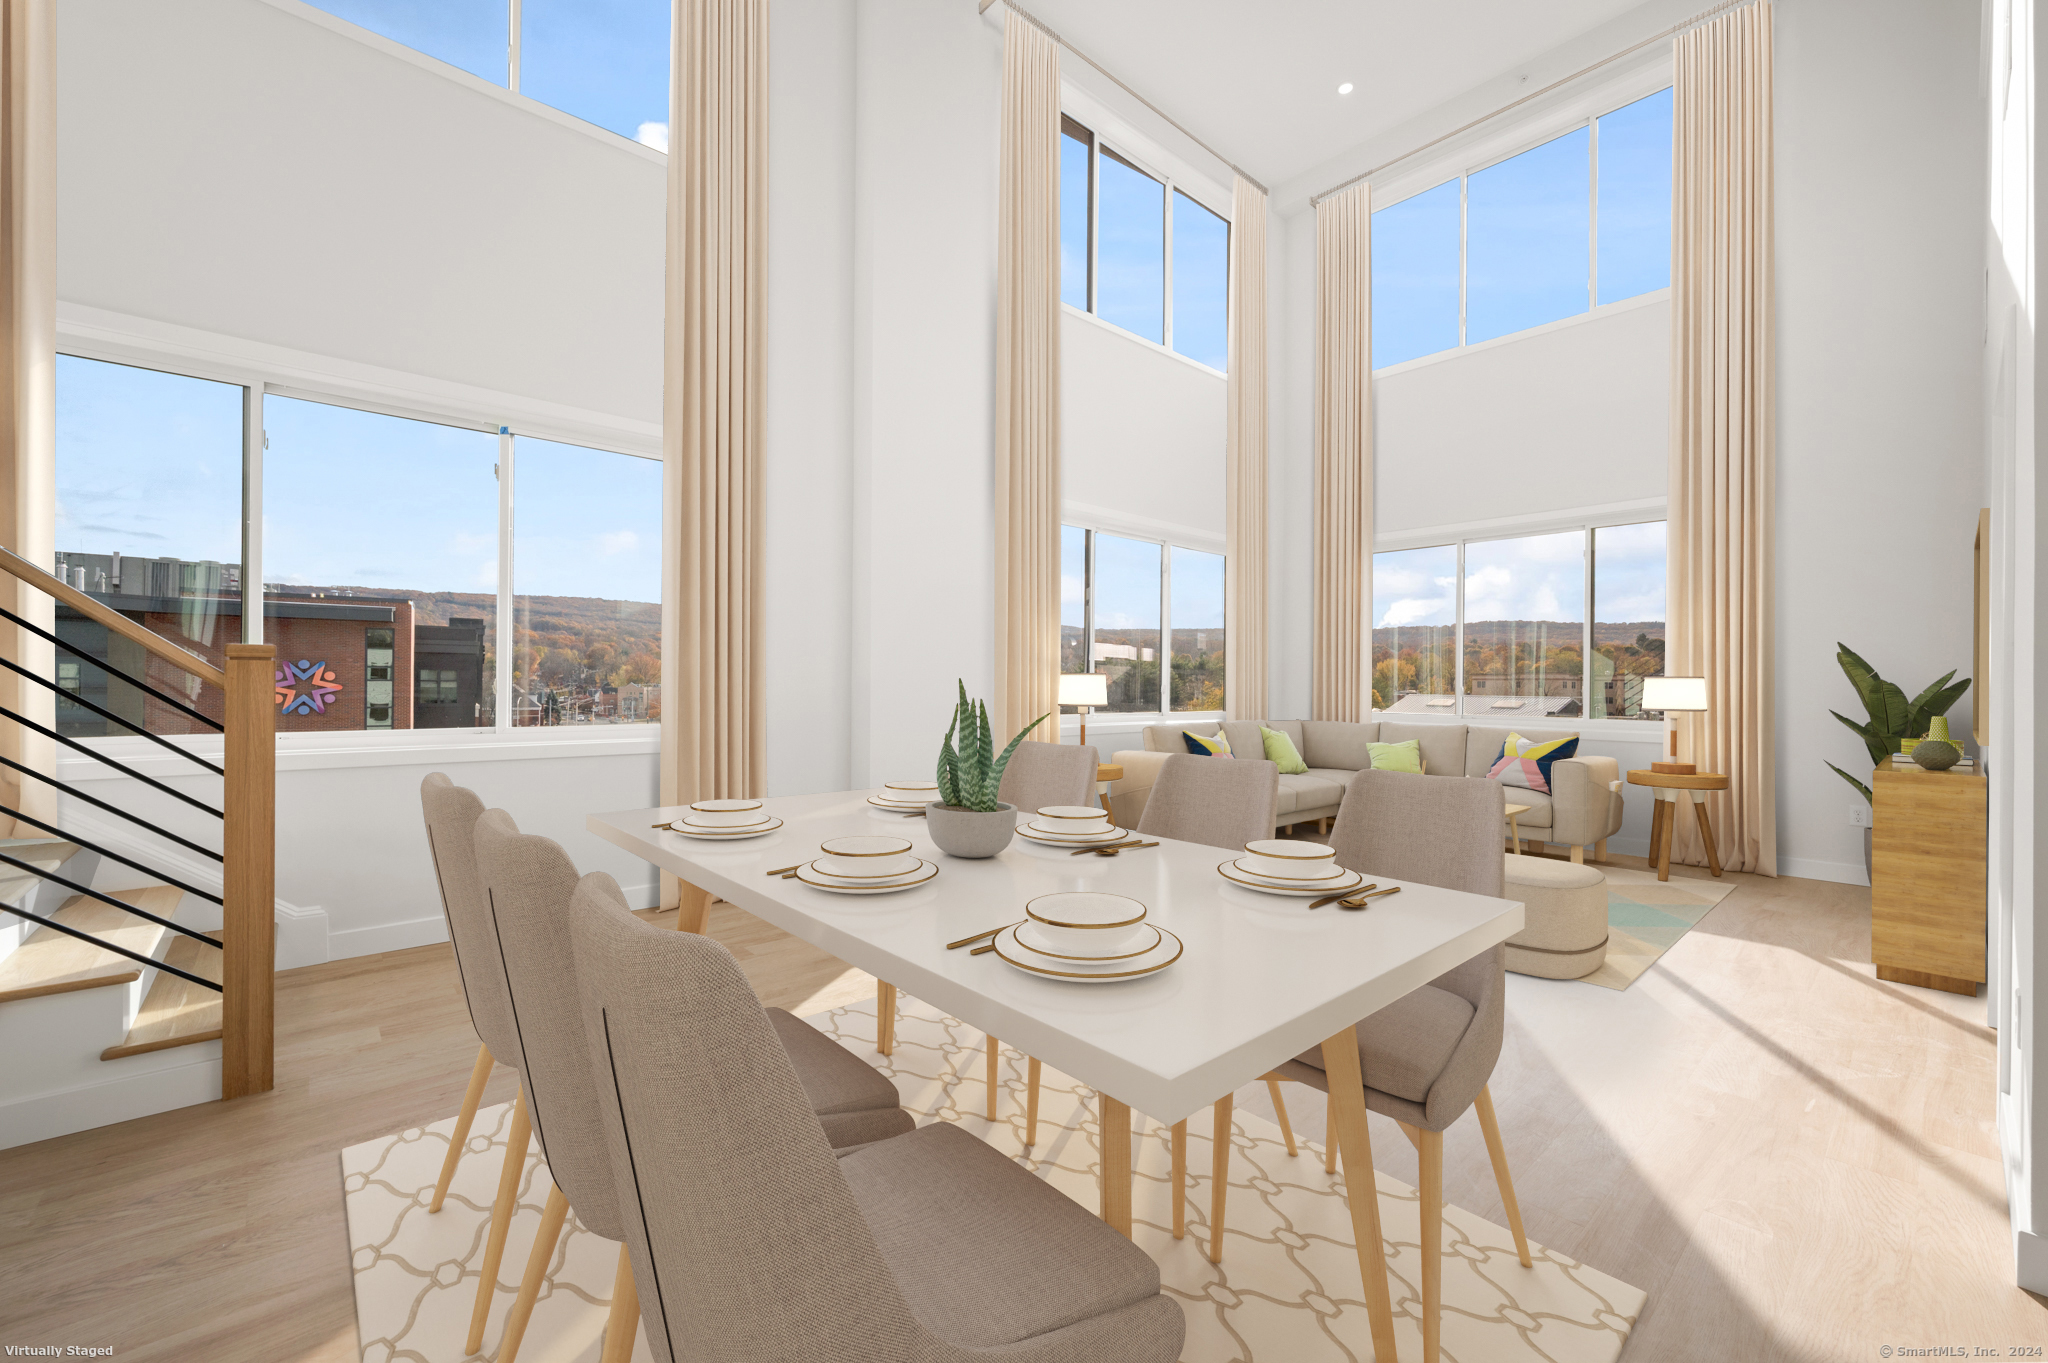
[(1141, 430)]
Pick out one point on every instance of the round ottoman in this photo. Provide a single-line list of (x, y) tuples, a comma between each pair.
[(1565, 933)]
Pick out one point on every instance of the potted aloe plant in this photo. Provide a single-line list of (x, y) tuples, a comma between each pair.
[(968, 820)]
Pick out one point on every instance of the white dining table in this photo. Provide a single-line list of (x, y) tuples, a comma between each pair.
[(1262, 977)]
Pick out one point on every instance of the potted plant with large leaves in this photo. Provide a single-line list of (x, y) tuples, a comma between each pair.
[(968, 820), (1893, 718)]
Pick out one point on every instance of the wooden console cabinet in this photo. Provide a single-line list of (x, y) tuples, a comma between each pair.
[(1927, 876)]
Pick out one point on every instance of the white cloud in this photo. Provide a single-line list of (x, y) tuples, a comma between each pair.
[(615, 542), (654, 135)]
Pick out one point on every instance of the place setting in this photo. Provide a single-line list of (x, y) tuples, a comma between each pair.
[(907, 798), (1300, 870), (1078, 829), (723, 821), (1082, 936), (863, 865)]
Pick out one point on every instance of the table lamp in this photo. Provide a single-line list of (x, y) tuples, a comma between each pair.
[(1084, 690), (1675, 695)]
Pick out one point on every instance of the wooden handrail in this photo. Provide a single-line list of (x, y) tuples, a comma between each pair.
[(163, 648)]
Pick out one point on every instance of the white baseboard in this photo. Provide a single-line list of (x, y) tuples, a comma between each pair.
[(413, 932), (301, 936), (2030, 1261), (1839, 872), (119, 1099)]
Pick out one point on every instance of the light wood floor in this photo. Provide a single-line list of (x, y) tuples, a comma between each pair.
[(1795, 1160)]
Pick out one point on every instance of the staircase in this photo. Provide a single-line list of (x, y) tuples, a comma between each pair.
[(124, 990)]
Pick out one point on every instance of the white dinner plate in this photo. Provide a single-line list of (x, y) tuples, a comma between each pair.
[(1032, 938), (879, 803), (1338, 876), (1071, 840), (1350, 881), (1109, 972), (753, 826), (725, 834), (810, 877)]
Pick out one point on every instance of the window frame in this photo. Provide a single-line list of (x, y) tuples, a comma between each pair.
[(1485, 532), (1098, 146), (258, 381), (1485, 149), (1091, 526)]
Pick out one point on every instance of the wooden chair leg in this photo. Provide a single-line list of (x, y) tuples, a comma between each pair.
[(993, 1046), (1578, 855), (551, 1218), (460, 1136), (1280, 1107), (1329, 1137), (1031, 1102), (1180, 1179), (1499, 1155), (885, 1017), (1220, 1171), (622, 1325), (516, 1142), (1430, 1153)]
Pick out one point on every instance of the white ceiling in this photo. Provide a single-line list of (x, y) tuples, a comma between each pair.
[(1258, 81)]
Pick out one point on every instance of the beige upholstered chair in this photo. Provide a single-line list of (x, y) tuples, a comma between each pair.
[(749, 1241), (1038, 775), (528, 881), (1426, 1057), (451, 814)]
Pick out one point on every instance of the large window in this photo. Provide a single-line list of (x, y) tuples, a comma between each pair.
[(1581, 220), (586, 567), (1506, 627), (1147, 615), (1141, 253), (379, 560), (605, 61)]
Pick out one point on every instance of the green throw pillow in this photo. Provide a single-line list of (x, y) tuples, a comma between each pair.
[(1280, 749), (1397, 756)]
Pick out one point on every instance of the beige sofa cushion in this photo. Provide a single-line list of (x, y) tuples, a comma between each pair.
[(1314, 790), (1166, 737), (1483, 745), (1442, 745), (1540, 813), (1337, 745)]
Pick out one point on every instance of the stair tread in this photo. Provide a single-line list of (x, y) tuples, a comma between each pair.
[(51, 962), (177, 1012)]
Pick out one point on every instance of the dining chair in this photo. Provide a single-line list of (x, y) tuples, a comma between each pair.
[(1426, 1057), (750, 1241), (528, 882), (451, 813)]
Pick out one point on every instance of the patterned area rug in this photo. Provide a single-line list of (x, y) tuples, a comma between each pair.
[(1287, 1290), (1646, 917)]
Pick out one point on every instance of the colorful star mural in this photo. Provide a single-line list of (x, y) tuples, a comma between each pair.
[(306, 688)]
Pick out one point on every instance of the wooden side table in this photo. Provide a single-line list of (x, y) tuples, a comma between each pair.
[(1515, 829), (1666, 786), (1106, 775), (1927, 874)]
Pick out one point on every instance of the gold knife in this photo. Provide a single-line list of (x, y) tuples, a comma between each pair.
[(1333, 898)]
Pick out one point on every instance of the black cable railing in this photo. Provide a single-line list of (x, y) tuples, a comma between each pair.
[(90, 893), (25, 722), (112, 671), (109, 852), (120, 950), (73, 698), (97, 803)]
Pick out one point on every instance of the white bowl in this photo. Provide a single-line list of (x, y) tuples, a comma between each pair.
[(1087, 923), (1071, 819), (725, 813), (1287, 859), (919, 793), (847, 858)]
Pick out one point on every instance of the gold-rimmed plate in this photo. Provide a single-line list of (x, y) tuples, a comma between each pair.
[(1030, 962), (1071, 841), (810, 878), (721, 835), (1230, 872), (1032, 941)]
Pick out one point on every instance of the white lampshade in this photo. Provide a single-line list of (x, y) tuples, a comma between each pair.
[(1674, 693), (1084, 688)]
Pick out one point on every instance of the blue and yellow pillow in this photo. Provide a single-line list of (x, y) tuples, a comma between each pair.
[(1526, 764), (1218, 746)]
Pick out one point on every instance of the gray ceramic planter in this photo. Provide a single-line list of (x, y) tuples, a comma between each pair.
[(968, 832)]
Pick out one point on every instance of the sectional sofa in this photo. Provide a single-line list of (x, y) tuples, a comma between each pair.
[(1582, 810)]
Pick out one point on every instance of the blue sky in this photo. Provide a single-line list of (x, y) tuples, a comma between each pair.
[(1535, 577), (585, 523)]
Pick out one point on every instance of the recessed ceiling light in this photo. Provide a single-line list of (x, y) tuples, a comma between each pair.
[(1345, 88)]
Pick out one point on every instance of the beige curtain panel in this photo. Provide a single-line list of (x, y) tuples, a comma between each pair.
[(1722, 420), (1244, 477), (1028, 386), (28, 498), (1342, 684), (712, 690)]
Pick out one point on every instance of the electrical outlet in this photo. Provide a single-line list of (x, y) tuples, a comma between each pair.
[(1859, 815)]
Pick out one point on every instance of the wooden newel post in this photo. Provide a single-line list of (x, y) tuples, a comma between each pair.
[(249, 847)]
